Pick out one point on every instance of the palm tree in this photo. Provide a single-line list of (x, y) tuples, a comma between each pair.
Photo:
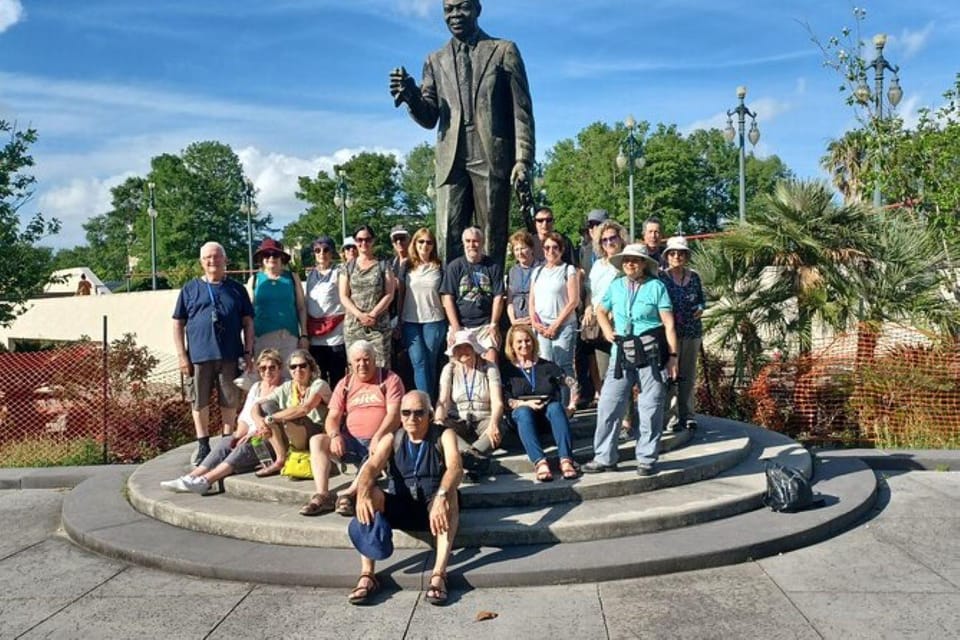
[(847, 161), (792, 257), (906, 278)]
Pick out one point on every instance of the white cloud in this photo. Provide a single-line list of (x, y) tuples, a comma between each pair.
[(420, 8), (909, 110), (75, 202), (913, 41), (11, 12), (275, 176), (767, 110)]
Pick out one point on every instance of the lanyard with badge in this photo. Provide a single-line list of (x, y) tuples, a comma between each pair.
[(416, 454)]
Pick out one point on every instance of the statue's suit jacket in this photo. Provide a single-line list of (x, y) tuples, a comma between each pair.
[(503, 112)]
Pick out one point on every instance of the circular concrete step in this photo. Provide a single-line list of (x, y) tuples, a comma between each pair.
[(709, 454), (97, 515), (610, 511)]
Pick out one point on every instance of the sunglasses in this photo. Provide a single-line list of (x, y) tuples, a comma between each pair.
[(591, 225), (267, 367), (416, 413), (298, 365), (364, 240), (551, 247), (631, 260), (350, 248), (272, 254), (610, 240), (543, 219), (422, 241), (400, 238), (321, 250)]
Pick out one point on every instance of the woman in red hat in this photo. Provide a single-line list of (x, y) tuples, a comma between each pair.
[(280, 313)]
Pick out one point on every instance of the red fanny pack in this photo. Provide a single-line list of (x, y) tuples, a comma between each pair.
[(317, 327)]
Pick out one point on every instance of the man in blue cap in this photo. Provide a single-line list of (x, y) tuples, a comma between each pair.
[(423, 462)]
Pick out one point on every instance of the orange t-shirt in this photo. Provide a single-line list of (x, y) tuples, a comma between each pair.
[(366, 402)]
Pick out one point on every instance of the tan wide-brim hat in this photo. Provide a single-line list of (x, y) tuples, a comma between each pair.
[(465, 337), (676, 243), (636, 251)]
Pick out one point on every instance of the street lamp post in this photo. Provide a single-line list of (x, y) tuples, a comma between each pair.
[(895, 93), (249, 206), (631, 156), (342, 199), (152, 212), (754, 136)]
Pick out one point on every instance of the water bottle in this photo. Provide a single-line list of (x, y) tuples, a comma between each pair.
[(262, 451)]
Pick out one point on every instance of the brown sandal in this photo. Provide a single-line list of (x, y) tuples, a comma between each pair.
[(271, 470), (569, 469), (345, 506), (437, 595), (361, 594), (319, 503), (542, 470)]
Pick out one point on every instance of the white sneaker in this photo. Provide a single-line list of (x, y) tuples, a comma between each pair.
[(180, 485), (198, 485)]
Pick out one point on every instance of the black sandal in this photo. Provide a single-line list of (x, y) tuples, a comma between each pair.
[(361, 594), (437, 595)]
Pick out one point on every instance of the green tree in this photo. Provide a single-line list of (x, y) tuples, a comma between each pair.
[(24, 268), (373, 180), (416, 177), (581, 174)]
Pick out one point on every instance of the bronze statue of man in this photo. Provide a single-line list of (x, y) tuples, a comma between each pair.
[(475, 91)]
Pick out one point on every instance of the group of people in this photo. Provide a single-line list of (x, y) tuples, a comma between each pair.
[(486, 354)]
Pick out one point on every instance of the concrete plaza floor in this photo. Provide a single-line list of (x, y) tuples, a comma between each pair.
[(895, 575)]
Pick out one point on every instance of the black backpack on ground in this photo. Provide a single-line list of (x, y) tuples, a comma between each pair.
[(788, 489)]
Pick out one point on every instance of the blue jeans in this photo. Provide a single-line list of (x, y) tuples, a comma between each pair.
[(560, 351), (526, 420), (424, 343), (614, 398)]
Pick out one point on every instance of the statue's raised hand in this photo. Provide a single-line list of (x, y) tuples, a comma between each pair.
[(401, 85)]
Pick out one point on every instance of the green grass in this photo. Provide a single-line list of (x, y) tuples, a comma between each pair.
[(51, 452)]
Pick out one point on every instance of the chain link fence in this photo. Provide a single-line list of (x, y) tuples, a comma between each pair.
[(90, 402), (889, 387)]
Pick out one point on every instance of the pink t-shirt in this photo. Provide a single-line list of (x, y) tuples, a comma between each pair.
[(366, 402)]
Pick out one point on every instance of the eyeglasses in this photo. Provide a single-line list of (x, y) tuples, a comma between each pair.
[(543, 220), (424, 241), (610, 240), (298, 365), (267, 367), (551, 247), (321, 250), (364, 240), (416, 413)]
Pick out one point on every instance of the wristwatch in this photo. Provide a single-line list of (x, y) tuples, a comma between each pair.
[(268, 419)]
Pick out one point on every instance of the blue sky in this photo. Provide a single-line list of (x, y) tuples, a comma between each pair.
[(297, 85)]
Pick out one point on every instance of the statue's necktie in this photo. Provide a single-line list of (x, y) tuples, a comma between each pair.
[(465, 82)]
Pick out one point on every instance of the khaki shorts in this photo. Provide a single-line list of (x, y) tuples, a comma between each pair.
[(221, 372)]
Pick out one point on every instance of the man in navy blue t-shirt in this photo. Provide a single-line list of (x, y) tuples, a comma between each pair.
[(211, 314), (472, 294)]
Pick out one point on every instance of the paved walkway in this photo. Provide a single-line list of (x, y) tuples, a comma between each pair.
[(897, 575)]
